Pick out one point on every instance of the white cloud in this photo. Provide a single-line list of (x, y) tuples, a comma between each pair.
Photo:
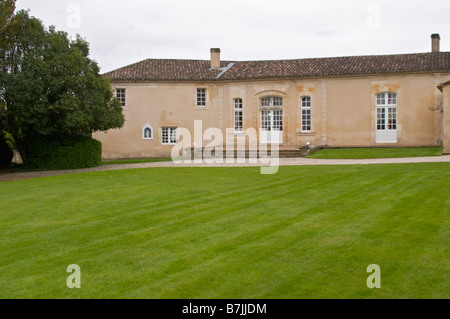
[(124, 32)]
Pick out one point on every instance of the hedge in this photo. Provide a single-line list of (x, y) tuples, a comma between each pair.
[(6, 154), (68, 153)]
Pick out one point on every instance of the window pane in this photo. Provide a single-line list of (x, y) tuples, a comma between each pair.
[(277, 101), (392, 99), (120, 94), (238, 127), (272, 101), (169, 135), (306, 120), (201, 97), (173, 135), (277, 120), (265, 101), (381, 120), (265, 120), (392, 118), (165, 135), (306, 102), (381, 99), (238, 103)]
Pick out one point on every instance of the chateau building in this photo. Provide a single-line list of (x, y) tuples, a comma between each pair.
[(397, 100)]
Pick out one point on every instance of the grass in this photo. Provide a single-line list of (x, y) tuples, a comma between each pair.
[(306, 232), (382, 152)]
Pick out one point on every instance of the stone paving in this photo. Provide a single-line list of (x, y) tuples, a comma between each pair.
[(299, 161)]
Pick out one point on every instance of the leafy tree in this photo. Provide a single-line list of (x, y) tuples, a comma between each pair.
[(48, 85)]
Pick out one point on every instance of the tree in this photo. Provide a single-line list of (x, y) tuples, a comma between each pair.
[(48, 84)]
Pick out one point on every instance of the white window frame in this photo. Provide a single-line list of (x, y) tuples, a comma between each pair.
[(272, 120), (201, 97), (306, 122), (144, 129), (238, 117), (169, 138), (386, 105), (272, 113), (122, 96), (271, 101)]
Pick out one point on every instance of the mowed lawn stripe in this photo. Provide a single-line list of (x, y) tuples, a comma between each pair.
[(228, 233)]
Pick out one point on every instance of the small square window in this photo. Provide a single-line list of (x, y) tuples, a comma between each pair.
[(169, 135), (201, 97)]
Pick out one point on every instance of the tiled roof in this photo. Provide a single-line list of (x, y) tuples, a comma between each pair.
[(167, 70)]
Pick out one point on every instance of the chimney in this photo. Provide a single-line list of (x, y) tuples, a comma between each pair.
[(215, 58), (435, 38)]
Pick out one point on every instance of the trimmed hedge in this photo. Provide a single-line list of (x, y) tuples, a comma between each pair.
[(69, 153), (6, 154)]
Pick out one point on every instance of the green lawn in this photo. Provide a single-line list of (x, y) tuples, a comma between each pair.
[(306, 232), (382, 152)]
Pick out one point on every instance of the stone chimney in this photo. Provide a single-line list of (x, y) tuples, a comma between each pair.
[(435, 38), (215, 58)]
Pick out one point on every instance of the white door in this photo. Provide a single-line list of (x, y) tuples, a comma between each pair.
[(271, 131), (386, 119), (386, 125)]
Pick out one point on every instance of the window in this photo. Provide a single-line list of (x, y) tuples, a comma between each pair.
[(386, 104), (272, 120), (120, 94), (169, 135), (306, 114), (238, 116), (271, 129), (271, 113), (272, 101), (147, 132), (201, 97)]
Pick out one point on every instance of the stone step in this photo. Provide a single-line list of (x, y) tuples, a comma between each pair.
[(289, 153)]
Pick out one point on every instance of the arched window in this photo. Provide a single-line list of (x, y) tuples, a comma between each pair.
[(238, 115), (147, 132), (272, 101)]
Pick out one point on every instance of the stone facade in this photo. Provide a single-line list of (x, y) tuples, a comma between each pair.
[(344, 106)]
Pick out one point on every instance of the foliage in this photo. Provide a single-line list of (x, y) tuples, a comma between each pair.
[(68, 153), (48, 84)]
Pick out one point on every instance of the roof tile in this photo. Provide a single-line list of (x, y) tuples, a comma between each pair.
[(169, 70)]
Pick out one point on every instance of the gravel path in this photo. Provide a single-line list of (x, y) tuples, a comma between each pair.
[(4, 177)]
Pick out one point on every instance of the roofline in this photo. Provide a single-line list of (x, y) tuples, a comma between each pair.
[(340, 76), (278, 60)]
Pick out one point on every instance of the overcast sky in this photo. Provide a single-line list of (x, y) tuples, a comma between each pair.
[(124, 32)]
